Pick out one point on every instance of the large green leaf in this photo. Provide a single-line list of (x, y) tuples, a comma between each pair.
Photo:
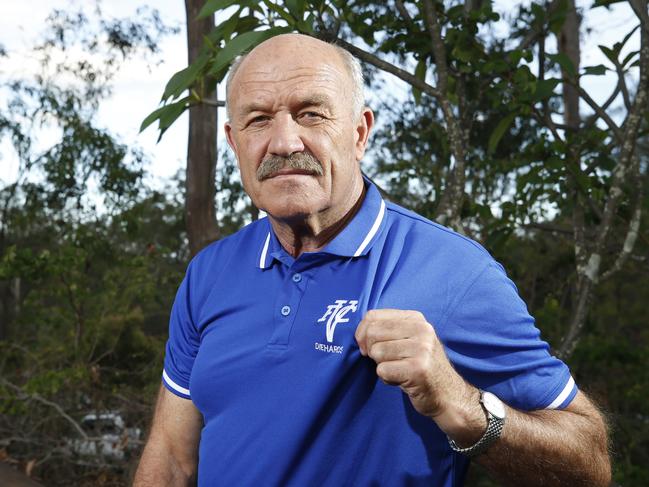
[(242, 43), (285, 15), (296, 7), (598, 70), (306, 25), (499, 131), (185, 78), (165, 115), (212, 6)]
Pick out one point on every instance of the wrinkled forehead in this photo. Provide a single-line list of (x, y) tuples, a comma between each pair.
[(289, 67)]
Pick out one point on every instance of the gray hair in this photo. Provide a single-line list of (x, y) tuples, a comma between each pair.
[(354, 70)]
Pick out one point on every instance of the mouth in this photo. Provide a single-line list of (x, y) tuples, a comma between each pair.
[(291, 172)]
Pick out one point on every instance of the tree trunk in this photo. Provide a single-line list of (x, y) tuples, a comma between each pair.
[(200, 183), (589, 255), (569, 45)]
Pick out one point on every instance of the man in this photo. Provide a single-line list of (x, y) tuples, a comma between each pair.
[(344, 340)]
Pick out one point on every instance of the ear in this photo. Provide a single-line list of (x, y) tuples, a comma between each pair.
[(228, 135), (362, 133)]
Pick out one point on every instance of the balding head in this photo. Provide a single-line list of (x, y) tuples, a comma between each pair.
[(296, 132), (287, 45)]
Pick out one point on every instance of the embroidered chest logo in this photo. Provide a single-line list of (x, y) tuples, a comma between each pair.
[(334, 315)]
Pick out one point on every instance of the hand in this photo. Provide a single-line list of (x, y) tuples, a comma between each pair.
[(408, 354)]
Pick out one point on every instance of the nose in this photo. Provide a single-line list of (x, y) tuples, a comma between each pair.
[(285, 136)]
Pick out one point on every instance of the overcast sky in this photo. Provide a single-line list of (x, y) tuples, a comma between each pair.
[(138, 88)]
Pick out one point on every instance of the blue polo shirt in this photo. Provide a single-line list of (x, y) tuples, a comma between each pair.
[(263, 344)]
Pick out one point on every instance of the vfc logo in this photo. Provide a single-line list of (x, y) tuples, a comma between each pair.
[(336, 313)]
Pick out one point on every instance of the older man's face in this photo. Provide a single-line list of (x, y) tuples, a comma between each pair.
[(293, 131)]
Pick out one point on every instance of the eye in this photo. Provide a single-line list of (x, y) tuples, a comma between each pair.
[(259, 120), (310, 116)]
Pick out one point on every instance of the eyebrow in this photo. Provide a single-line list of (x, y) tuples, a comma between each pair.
[(314, 100)]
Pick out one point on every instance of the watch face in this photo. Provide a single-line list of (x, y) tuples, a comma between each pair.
[(494, 405)]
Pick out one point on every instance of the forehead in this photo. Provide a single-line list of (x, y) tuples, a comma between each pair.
[(289, 74)]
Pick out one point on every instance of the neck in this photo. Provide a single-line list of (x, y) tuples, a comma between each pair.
[(314, 232)]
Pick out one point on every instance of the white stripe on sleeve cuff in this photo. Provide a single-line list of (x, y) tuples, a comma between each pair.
[(173, 385), (567, 390)]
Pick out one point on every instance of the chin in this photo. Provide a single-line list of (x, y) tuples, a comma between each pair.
[(294, 203), (290, 212)]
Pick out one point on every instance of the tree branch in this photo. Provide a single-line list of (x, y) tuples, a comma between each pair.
[(534, 34), (590, 121), (212, 103), (404, 12), (601, 113), (38, 398), (629, 241), (546, 119), (451, 201), (622, 84), (389, 68)]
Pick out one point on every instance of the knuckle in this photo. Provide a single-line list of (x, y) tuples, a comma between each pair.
[(372, 333), (376, 352), (382, 370), (423, 347), (416, 315), (419, 368)]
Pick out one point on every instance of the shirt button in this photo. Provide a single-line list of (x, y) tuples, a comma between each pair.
[(286, 310), (297, 277)]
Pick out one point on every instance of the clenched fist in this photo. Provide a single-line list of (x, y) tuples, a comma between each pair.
[(408, 354)]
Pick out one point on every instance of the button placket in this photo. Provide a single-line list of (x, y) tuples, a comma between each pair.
[(286, 308)]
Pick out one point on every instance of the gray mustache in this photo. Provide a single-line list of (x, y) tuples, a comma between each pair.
[(302, 161)]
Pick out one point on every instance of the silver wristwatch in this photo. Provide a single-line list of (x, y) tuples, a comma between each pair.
[(495, 410)]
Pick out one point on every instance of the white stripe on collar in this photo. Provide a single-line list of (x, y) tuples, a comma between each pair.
[(262, 259), (373, 230)]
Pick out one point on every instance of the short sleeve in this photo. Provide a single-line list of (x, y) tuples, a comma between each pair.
[(494, 344), (182, 345)]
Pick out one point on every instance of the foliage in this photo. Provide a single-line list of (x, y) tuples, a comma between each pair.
[(89, 258)]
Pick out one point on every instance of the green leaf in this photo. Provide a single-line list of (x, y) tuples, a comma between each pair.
[(286, 16), (420, 72), (212, 6), (545, 88), (184, 78), (242, 43), (296, 7), (165, 115), (306, 25), (606, 3), (628, 58), (499, 131), (609, 53), (565, 62), (626, 38), (598, 70), (224, 30)]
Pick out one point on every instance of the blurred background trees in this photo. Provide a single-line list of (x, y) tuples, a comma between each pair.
[(494, 128)]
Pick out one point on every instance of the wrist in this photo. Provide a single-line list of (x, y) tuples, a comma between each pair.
[(463, 419), (496, 413)]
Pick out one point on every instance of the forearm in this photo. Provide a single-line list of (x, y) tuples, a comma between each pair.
[(170, 457), (550, 448), (538, 448), (159, 468)]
